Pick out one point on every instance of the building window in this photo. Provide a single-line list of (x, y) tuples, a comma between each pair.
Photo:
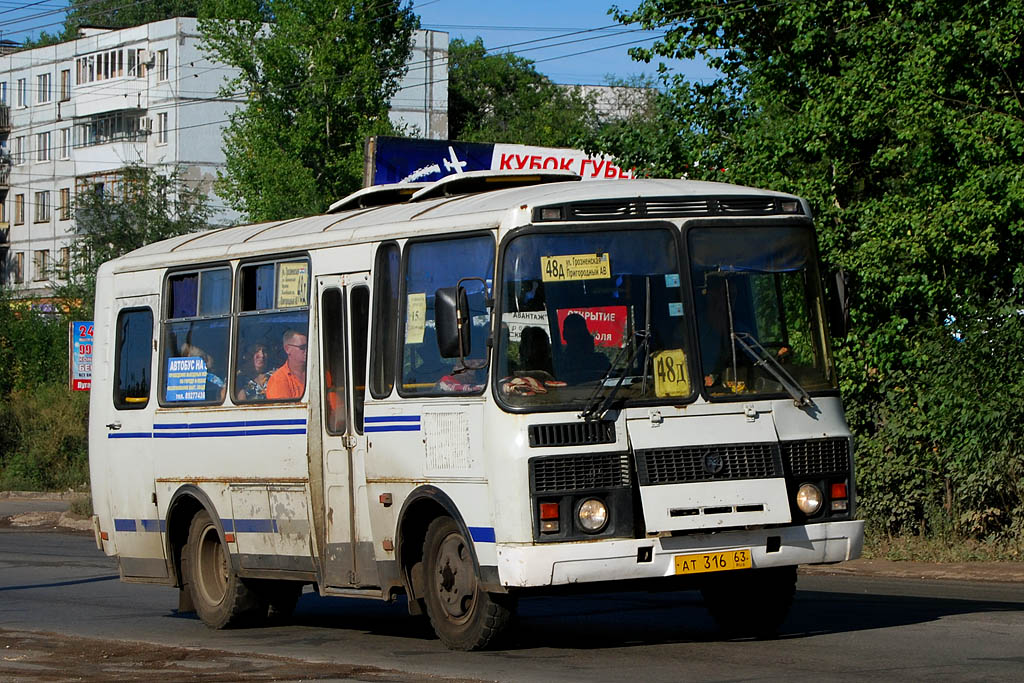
[(43, 146), (19, 268), (3, 92), (19, 149), (101, 130), (41, 265), (162, 66), (137, 63), (22, 97), (42, 88), (42, 207), (65, 85), (161, 127), (65, 203), (65, 143), (3, 212), (19, 209), (64, 267)]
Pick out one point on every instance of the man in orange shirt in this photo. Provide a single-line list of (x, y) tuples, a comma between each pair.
[(289, 380)]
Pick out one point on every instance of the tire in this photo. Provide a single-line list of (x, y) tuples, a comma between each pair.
[(463, 616), (750, 603), (220, 597)]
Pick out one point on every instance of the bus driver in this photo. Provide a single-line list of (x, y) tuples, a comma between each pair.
[(289, 380)]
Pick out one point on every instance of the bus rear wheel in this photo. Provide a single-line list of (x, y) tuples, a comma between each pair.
[(220, 597), (751, 602), (463, 615)]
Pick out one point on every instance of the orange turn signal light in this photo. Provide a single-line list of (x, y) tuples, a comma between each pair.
[(839, 490), (549, 510)]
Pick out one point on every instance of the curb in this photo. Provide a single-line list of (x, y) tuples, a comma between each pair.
[(43, 495)]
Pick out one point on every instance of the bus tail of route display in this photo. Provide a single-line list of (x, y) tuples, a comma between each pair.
[(466, 392)]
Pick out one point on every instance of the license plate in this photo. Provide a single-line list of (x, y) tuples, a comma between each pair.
[(713, 562)]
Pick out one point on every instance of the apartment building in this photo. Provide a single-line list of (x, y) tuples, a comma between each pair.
[(73, 115)]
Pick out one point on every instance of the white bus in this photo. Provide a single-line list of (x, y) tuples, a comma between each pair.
[(470, 391)]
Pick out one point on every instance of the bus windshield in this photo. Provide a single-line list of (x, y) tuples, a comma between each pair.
[(590, 317), (758, 309)]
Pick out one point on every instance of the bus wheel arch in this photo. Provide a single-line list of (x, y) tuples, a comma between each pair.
[(186, 503), (421, 507)]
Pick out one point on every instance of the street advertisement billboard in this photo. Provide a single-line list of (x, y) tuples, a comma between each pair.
[(406, 160), (80, 361)]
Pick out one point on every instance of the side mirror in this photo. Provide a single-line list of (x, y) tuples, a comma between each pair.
[(451, 315), (837, 301)]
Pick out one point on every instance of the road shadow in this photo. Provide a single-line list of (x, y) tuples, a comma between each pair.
[(599, 621)]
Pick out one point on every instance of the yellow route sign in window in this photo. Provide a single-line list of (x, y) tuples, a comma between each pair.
[(575, 267), (671, 376)]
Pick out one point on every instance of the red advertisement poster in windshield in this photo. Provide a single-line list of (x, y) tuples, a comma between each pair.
[(607, 324)]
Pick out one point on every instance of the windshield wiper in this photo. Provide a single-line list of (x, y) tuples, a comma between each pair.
[(765, 360), (596, 406)]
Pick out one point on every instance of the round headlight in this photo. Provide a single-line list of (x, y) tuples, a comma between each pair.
[(592, 515), (808, 499)]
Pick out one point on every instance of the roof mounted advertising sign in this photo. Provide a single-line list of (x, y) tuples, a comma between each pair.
[(406, 160)]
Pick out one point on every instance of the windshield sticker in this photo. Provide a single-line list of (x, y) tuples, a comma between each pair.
[(675, 309), (572, 267), (671, 377), (186, 379), (415, 317), (293, 284), (606, 325), (672, 279)]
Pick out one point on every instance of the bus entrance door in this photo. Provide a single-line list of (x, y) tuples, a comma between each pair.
[(347, 545)]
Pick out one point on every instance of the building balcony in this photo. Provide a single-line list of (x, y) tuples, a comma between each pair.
[(5, 119), (5, 233), (5, 173)]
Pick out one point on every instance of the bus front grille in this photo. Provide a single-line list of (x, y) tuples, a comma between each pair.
[(571, 434), (566, 473), (816, 456), (719, 462)]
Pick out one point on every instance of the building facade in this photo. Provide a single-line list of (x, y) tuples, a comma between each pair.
[(73, 115)]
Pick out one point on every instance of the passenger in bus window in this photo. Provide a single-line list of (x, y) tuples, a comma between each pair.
[(216, 387), (254, 388), (289, 380), (581, 361)]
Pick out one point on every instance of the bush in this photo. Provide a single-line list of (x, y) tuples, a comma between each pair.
[(45, 439)]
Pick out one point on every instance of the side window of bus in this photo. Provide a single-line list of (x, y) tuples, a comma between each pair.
[(197, 322), (385, 325), (273, 322), (134, 353), (429, 267), (360, 328)]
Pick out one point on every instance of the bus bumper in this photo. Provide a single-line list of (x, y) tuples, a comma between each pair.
[(521, 565)]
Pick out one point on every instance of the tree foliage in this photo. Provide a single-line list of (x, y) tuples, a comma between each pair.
[(503, 98), (316, 83), (903, 124), (145, 206)]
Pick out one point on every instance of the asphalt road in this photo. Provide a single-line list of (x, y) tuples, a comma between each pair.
[(841, 627)]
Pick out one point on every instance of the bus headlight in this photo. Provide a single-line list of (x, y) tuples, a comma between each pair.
[(808, 499), (592, 515)]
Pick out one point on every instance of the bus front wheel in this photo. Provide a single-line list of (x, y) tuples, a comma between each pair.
[(463, 615), (751, 602), (220, 597)]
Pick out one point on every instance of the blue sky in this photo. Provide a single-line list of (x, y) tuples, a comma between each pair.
[(510, 23), (517, 21)]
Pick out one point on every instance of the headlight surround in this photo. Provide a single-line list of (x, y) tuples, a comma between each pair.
[(809, 499), (592, 515)]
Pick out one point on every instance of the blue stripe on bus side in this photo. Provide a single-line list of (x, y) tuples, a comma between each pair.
[(234, 423), (243, 432), (392, 428), (393, 418), (238, 526), (130, 435), (482, 534)]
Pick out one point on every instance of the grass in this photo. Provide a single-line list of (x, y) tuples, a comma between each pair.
[(945, 550)]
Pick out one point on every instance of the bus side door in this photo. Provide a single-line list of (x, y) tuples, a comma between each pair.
[(347, 549)]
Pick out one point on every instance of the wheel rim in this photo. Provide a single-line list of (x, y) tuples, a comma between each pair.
[(455, 580), (212, 574)]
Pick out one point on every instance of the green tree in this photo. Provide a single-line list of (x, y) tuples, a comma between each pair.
[(902, 122), (503, 98), (144, 206), (316, 82)]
